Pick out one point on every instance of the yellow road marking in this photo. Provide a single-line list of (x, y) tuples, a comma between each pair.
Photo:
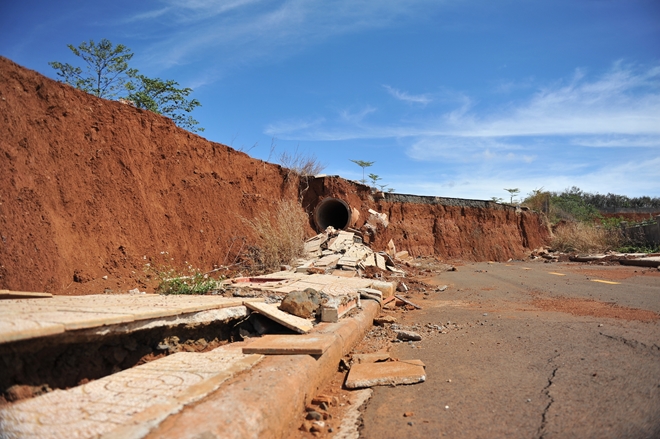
[(556, 274), (605, 281)]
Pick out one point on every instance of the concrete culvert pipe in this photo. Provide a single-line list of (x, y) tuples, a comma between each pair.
[(332, 212)]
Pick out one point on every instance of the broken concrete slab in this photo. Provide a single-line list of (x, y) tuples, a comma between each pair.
[(389, 373), (128, 403), (373, 357), (311, 344), (380, 261), (387, 288), (642, 262), (329, 261), (344, 273), (336, 307), (292, 322), (371, 293), (27, 318)]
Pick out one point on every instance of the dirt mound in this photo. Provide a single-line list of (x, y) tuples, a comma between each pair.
[(92, 190)]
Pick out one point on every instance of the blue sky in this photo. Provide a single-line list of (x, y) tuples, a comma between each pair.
[(455, 98)]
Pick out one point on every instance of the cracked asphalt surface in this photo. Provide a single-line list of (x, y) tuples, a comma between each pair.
[(516, 362)]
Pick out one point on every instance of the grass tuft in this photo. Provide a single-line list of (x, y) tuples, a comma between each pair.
[(280, 239)]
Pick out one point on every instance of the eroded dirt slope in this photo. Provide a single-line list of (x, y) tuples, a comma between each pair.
[(89, 187), (92, 188)]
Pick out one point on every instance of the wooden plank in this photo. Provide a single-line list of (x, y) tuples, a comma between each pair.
[(6, 294), (290, 321), (312, 344), (407, 302)]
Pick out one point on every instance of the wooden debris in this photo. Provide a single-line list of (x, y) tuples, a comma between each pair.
[(6, 294), (272, 312), (311, 344), (407, 302)]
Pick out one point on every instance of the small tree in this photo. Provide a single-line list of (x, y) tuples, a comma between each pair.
[(513, 192), (363, 164), (496, 199), (107, 68), (374, 179), (108, 76), (163, 97)]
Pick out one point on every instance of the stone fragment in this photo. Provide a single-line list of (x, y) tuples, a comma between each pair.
[(384, 320), (317, 426), (314, 416), (402, 288), (408, 335), (302, 303), (327, 399)]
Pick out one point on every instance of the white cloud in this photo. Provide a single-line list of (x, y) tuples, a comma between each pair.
[(617, 141), (632, 177), (406, 97), (243, 30)]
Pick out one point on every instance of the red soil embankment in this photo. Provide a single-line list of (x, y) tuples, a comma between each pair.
[(92, 188), (448, 228), (89, 187)]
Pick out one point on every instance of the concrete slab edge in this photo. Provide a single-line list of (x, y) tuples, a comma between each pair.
[(266, 402)]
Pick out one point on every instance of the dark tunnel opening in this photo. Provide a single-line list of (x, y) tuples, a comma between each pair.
[(332, 212)]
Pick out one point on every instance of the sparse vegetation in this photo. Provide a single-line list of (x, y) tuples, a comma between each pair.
[(364, 165), (192, 281), (512, 192), (301, 163), (281, 239), (585, 238)]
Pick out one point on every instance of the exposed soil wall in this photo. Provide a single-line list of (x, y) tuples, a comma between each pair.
[(448, 228), (92, 188)]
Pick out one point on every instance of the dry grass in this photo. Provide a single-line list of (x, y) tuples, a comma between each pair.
[(301, 163), (585, 238), (280, 238)]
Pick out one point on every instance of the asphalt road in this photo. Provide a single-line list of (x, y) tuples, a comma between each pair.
[(533, 350)]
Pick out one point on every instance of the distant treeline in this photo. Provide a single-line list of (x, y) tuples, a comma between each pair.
[(575, 204), (609, 201)]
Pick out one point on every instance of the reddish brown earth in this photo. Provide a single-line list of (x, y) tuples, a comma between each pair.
[(92, 188)]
